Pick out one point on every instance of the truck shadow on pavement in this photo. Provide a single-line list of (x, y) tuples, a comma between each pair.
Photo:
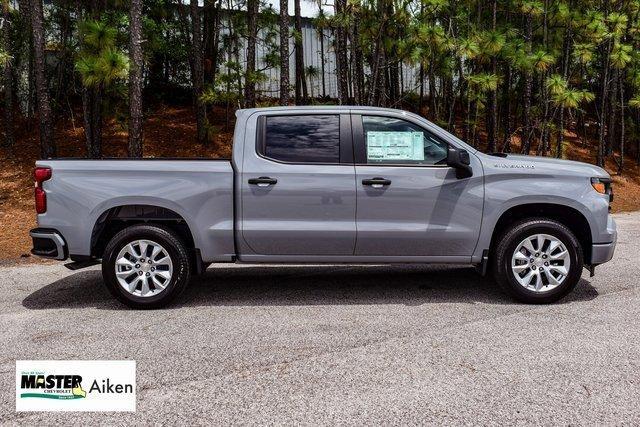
[(409, 285)]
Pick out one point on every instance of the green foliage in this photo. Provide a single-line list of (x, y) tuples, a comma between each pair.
[(562, 95), (5, 58), (464, 57), (620, 55), (97, 35), (541, 60), (312, 71), (532, 7), (635, 102), (100, 63), (583, 52)]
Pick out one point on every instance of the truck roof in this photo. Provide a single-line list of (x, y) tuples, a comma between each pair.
[(244, 114), (249, 111)]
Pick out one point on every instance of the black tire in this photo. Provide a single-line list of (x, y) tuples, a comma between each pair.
[(176, 251), (507, 245)]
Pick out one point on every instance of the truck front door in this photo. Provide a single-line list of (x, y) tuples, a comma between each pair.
[(298, 189), (410, 203)]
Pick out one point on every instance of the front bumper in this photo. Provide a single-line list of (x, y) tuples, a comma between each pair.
[(603, 252), (48, 243)]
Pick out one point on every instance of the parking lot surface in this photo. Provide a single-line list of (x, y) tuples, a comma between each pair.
[(341, 344)]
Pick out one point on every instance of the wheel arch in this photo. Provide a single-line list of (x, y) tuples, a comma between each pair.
[(114, 219), (568, 216)]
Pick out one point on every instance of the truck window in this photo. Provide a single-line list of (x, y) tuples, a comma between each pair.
[(302, 138), (389, 140)]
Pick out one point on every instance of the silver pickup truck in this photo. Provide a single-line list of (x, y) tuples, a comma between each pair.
[(327, 185)]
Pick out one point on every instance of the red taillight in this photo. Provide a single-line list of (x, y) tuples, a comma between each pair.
[(41, 200), (41, 175)]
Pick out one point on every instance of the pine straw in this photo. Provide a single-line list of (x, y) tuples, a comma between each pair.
[(170, 132)]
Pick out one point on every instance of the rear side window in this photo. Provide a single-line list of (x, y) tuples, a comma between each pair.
[(302, 139)]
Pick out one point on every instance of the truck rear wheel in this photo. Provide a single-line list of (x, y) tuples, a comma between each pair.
[(538, 261), (146, 266)]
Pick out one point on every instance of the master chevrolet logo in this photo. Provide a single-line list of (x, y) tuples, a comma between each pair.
[(75, 385), (67, 386), (52, 386)]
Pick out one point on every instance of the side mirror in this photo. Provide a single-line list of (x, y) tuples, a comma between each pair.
[(460, 160)]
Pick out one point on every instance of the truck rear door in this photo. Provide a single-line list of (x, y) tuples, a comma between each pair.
[(297, 186)]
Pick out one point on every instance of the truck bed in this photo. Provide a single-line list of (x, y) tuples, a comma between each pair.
[(80, 191)]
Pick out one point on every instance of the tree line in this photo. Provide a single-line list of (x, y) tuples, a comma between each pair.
[(494, 72)]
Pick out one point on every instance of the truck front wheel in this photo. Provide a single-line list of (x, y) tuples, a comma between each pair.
[(146, 266), (538, 261)]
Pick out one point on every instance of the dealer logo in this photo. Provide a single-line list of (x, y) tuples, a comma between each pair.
[(81, 385), (52, 386)]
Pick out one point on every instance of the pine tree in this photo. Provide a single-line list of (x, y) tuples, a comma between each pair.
[(135, 79), (197, 72), (284, 52), (47, 143)]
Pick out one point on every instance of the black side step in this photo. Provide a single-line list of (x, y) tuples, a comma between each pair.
[(78, 265)]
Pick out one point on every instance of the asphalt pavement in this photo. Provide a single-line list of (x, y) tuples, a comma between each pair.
[(341, 345)]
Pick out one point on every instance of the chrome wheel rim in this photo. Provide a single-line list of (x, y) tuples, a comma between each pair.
[(540, 263), (143, 268)]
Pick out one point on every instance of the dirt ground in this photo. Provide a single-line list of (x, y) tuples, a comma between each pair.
[(170, 132)]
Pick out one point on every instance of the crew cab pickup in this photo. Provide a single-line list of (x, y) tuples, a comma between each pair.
[(327, 185)]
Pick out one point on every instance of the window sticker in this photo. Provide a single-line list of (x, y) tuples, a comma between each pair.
[(395, 146)]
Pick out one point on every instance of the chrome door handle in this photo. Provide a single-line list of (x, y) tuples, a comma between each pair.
[(263, 181), (376, 182)]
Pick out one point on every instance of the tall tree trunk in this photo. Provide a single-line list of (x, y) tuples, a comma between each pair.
[(64, 66), (96, 121), (92, 99), (528, 84), (157, 80), (252, 27), (506, 110), (376, 73), (135, 79), (198, 72), (8, 78), (47, 144), (545, 145), (506, 101), (612, 129), (421, 90), (24, 65), (433, 105), (492, 104), (301, 80), (606, 51), (284, 53), (211, 16), (622, 127), (358, 64), (342, 61), (566, 57), (322, 61), (560, 133), (603, 105)]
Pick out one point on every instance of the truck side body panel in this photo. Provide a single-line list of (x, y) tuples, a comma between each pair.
[(525, 180), (201, 192)]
